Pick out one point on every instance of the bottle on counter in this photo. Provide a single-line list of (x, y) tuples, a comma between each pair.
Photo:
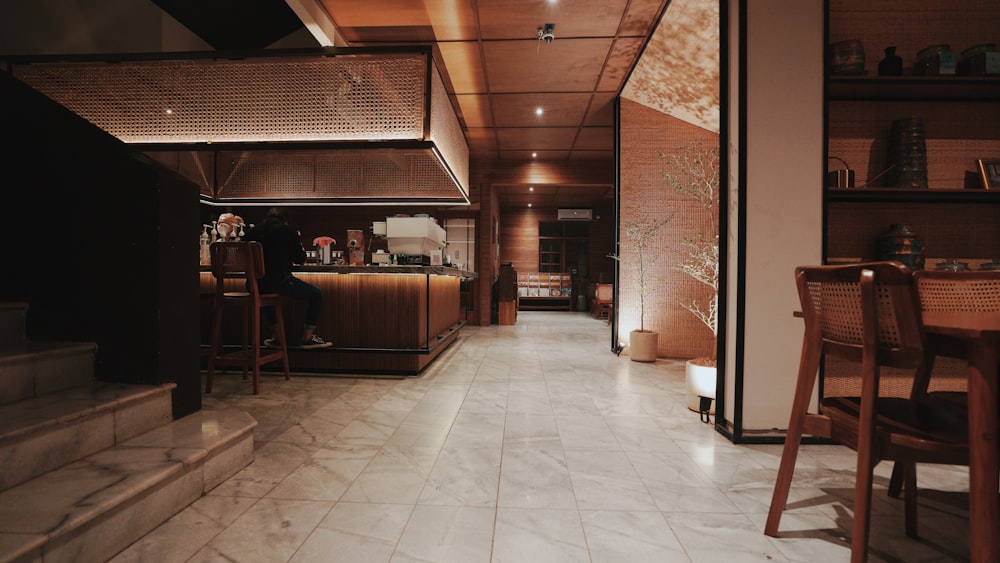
[(204, 242)]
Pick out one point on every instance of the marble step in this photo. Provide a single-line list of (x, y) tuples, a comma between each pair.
[(93, 508), (12, 317), (49, 431), (32, 369)]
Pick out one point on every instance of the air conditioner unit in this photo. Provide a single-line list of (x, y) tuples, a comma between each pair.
[(575, 214)]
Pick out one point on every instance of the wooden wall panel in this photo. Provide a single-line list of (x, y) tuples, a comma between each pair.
[(519, 237), (519, 240), (444, 297), (489, 258)]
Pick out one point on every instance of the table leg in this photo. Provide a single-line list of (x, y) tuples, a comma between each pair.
[(983, 450)]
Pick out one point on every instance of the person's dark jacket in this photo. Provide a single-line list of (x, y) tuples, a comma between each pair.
[(282, 249)]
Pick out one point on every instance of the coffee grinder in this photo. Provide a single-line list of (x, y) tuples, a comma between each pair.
[(355, 247)]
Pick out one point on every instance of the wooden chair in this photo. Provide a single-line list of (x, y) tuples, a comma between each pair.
[(241, 264), (600, 305), (869, 314), (972, 295)]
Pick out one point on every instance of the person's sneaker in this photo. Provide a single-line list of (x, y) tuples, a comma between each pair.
[(314, 342), (272, 343)]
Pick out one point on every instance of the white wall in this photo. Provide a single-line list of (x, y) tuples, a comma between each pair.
[(733, 303), (782, 199)]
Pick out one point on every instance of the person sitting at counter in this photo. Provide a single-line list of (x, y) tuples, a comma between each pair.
[(283, 248)]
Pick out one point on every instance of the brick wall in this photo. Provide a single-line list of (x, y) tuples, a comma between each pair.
[(645, 135)]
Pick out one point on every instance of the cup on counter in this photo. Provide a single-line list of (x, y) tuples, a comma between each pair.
[(952, 265)]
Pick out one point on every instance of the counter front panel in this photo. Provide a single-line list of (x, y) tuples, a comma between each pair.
[(392, 320)]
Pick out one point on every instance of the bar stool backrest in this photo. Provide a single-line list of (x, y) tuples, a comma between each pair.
[(237, 260)]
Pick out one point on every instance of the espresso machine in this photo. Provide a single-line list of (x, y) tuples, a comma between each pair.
[(415, 240)]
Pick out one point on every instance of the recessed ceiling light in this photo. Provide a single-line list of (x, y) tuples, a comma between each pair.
[(531, 188), (529, 205), (539, 111), (169, 111), (534, 155)]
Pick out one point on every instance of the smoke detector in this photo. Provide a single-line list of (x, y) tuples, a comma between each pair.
[(547, 32)]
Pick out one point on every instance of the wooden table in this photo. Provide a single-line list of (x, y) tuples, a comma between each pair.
[(979, 335), (981, 353)]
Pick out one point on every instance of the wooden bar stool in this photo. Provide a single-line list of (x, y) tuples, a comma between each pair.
[(242, 264)]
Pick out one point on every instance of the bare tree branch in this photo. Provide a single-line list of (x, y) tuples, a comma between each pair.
[(694, 171)]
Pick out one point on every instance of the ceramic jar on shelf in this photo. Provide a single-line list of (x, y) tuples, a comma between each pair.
[(847, 58), (902, 244), (935, 60), (979, 60), (906, 157)]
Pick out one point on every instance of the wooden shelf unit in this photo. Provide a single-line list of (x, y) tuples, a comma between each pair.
[(538, 291), (955, 216), (915, 88), (930, 195)]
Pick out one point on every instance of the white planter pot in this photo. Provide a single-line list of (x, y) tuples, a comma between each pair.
[(642, 345), (700, 382)]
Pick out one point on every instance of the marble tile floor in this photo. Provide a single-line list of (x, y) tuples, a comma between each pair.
[(528, 443)]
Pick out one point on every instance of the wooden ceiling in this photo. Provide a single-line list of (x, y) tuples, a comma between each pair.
[(521, 99), (500, 72)]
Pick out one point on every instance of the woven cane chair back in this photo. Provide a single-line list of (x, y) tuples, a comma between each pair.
[(968, 298), (833, 296)]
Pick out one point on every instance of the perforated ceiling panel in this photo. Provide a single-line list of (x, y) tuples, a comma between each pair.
[(446, 132), (350, 98), (345, 98), (384, 174)]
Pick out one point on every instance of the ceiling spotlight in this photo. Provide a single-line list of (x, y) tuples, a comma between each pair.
[(534, 155), (539, 111), (547, 32)]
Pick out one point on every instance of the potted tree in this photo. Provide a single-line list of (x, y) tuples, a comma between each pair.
[(639, 233), (694, 172)]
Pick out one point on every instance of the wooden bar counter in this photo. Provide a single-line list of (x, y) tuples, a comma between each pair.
[(381, 319)]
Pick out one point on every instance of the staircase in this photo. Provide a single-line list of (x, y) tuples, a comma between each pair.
[(87, 468)]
